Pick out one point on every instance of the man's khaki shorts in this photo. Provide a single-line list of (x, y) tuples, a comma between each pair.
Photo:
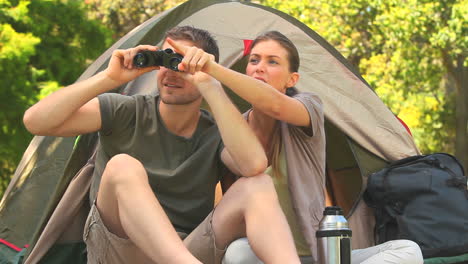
[(105, 247)]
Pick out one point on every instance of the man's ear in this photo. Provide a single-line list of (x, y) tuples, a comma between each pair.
[(293, 79)]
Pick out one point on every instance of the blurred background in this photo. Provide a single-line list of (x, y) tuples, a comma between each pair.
[(413, 53)]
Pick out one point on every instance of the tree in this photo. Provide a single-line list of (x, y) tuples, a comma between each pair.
[(414, 53), (124, 15), (43, 45), (15, 50)]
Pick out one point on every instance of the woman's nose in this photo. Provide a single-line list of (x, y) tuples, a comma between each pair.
[(260, 67)]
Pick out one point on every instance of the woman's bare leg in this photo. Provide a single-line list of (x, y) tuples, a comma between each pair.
[(250, 208)]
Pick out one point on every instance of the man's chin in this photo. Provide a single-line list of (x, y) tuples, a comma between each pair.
[(179, 100)]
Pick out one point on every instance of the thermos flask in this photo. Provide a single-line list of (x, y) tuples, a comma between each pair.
[(334, 237)]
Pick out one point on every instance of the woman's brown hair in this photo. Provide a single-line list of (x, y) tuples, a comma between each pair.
[(294, 62)]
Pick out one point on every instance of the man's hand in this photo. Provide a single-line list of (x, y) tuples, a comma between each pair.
[(121, 68), (195, 59)]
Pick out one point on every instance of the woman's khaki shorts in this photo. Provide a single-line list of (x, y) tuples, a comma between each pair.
[(106, 247)]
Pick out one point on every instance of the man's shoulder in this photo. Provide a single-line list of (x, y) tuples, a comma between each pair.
[(124, 97), (207, 125), (119, 111)]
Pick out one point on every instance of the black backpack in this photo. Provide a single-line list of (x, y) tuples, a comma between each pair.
[(423, 199)]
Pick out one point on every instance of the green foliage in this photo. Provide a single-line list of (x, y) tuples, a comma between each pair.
[(71, 41), (411, 52), (124, 15), (406, 50), (43, 45)]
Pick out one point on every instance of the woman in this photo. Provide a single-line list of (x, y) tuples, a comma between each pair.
[(290, 126)]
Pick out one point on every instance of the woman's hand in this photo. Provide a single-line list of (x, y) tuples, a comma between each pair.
[(195, 59)]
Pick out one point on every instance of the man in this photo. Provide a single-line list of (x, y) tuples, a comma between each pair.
[(159, 158)]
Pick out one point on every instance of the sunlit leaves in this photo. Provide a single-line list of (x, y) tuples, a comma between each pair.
[(43, 45), (121, 16), (406, 50)]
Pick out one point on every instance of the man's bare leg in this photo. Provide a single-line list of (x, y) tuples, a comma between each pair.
[(250, 208), (129, 209)]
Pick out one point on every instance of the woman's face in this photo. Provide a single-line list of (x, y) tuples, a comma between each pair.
[(268, 62)]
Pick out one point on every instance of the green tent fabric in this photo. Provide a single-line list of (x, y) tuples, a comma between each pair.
[(10, 253), (462, 259), (46, 202)]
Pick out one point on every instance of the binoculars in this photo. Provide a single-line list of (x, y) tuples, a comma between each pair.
[(166, 58)]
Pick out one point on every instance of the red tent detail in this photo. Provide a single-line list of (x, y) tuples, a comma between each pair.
[(247, 46), (404, 124)]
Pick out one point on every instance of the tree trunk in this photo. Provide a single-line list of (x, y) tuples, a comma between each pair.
[(461, 140)]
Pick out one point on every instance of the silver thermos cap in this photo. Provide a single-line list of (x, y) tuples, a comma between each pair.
[(334, 237)]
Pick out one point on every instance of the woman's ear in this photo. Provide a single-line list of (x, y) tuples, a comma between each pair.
[(293, 79)]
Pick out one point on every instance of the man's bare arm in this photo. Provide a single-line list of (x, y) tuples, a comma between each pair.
[(74, 110)]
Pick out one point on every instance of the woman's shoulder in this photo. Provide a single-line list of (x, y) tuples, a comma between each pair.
[(310, 100), (314, 106), (309, 96)]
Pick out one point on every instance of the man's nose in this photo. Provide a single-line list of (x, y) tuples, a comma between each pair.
[(170, 72)]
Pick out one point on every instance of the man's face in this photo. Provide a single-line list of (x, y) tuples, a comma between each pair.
[(173, 88)]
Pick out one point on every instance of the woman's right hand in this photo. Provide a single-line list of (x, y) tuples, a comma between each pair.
[(121, 68), (195, 59)]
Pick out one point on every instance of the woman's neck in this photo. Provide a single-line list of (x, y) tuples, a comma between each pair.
[(261, 121)]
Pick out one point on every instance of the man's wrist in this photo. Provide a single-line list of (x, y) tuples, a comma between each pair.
[(108, 83)]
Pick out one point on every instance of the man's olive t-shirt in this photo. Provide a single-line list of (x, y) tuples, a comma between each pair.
[(182, 172)]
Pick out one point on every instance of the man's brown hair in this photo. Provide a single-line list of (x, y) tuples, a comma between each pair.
[(200, 38)]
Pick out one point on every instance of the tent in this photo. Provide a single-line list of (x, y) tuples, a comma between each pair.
[(46, 202)]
